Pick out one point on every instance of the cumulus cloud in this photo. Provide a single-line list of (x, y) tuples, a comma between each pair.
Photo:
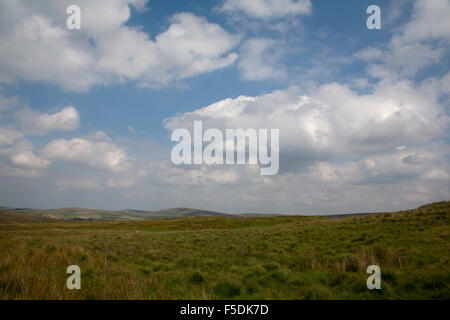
[(260, 60), (190, 46), (29, 160), (17, 155), (96, 152), (267, 9), (429, 21), (36, 46), (33, 122), (37, 50), (19, 159), (412, 57), (332, 121), (421, 42)]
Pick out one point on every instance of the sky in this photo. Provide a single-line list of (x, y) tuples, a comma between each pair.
[(86, 115)]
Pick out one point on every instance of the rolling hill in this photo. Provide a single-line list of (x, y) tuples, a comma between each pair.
[(11, 216), (81, 214), (85, 214)]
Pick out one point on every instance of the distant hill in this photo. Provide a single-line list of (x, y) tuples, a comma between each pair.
[(80, 214), (9, 216), (344, 215)]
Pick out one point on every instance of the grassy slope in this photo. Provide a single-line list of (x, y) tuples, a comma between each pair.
[(215, 257), (10, 216)]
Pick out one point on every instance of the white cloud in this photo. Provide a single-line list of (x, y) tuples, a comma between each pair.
[(429, 21), (394, 11), (332, 121), (410, 58), (27, 159), (369, 54), (97, 152), (260, 60), (421, 42), (190, 46), (37, 50), (37, 46), (8, 135), (33, 122), (268, 8), (18, 159), (438, 86)]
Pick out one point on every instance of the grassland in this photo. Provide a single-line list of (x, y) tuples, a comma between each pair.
[(277, 257)]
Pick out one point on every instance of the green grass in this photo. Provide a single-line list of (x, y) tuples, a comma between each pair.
[(231, 258)]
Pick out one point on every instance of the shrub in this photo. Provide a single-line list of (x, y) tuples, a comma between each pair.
[(270, 267), (227, 289), (196, 278)]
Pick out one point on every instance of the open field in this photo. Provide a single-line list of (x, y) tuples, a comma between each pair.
[(281, 257)]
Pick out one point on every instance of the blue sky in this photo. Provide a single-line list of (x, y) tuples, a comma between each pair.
[(116, 106), (370, 133)]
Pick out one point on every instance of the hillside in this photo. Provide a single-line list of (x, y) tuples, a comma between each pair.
[(95, 214), (82, 214), (284, 257), (12, 216)]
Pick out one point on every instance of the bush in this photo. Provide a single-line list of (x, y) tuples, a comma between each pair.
[(196, 278), (227, 289)]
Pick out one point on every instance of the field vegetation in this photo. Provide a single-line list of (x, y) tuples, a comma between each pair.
[(279, 257)]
